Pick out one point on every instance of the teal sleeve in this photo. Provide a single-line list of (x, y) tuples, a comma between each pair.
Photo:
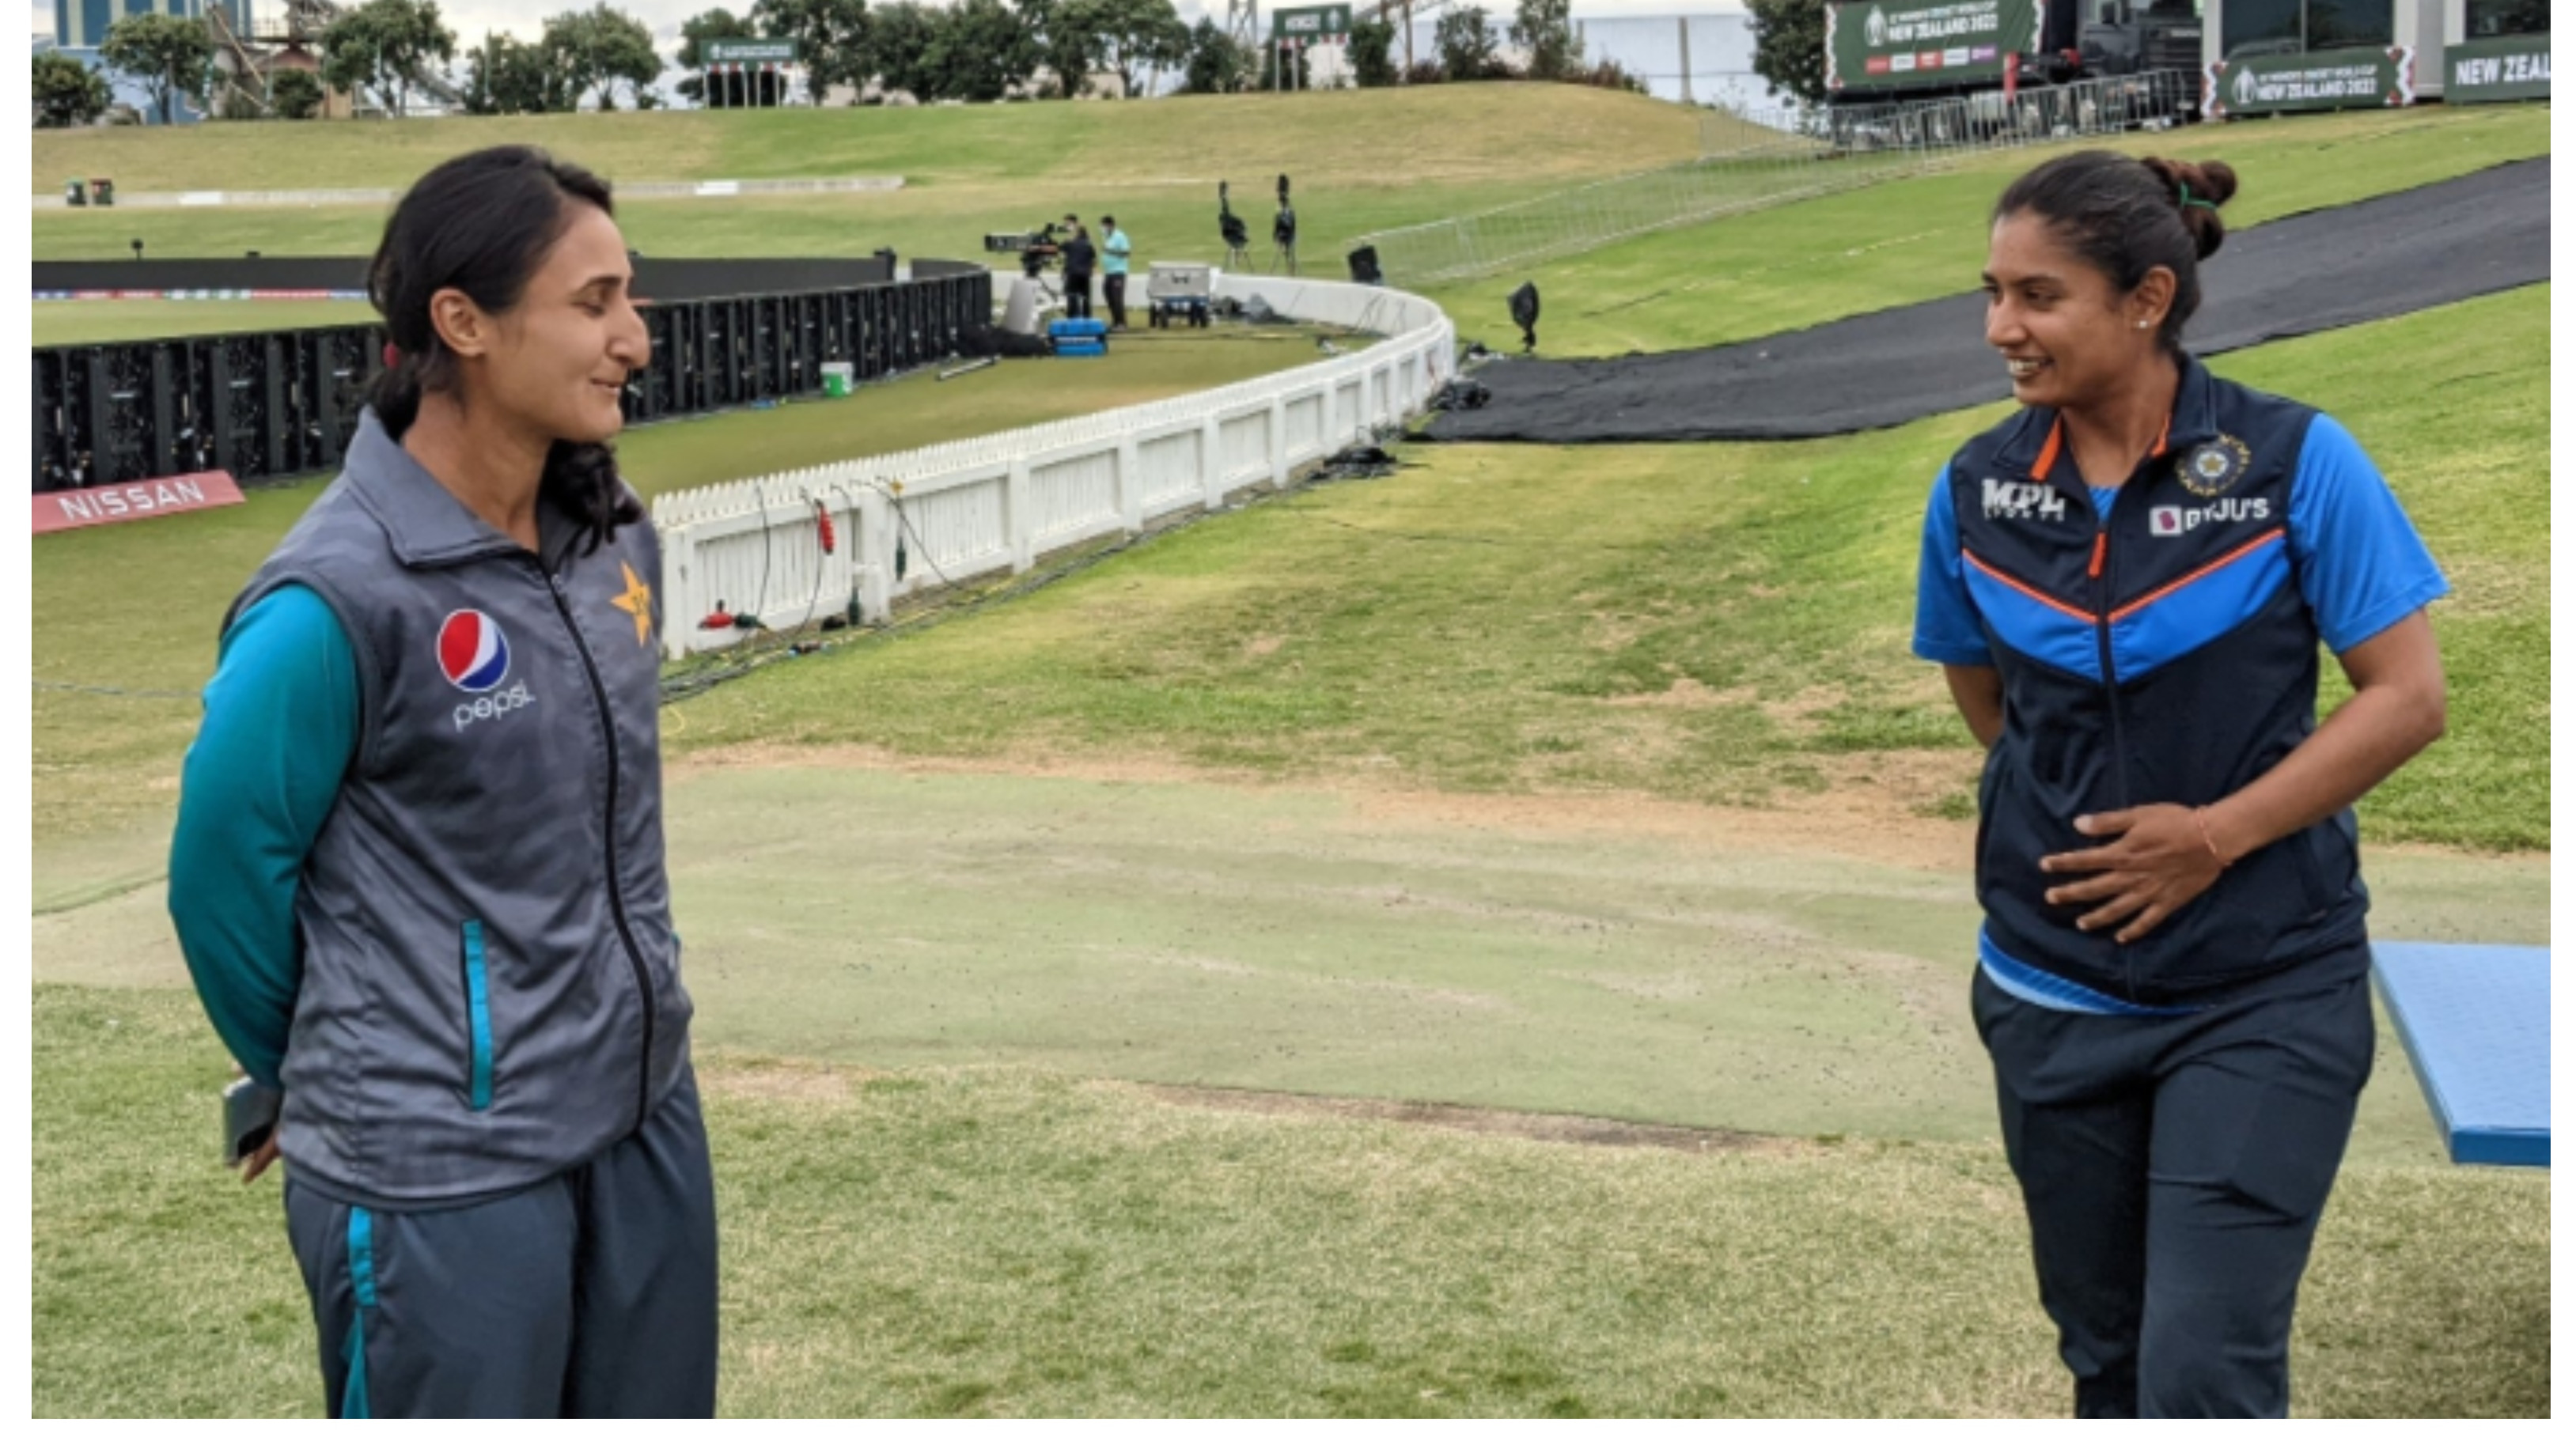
[(281, 723)]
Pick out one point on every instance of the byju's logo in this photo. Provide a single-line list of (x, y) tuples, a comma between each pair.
[(473, 651), (2023, 500), (2168, 521)]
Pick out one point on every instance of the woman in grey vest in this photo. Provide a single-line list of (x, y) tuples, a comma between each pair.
[(418, 872)]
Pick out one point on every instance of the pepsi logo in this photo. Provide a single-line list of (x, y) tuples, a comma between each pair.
[(472, 651)]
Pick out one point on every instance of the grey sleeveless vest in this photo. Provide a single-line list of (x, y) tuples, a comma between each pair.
[(490, 989)]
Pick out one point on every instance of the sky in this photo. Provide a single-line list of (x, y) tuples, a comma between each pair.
[(471, 19)]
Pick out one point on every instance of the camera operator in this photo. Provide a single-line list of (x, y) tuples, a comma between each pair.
[(1040, 251), (1079, 259)]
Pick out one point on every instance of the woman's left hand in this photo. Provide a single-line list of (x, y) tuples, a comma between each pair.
[(2156, 862)]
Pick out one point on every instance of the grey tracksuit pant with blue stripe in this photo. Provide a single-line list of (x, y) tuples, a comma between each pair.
[(591, 1294)]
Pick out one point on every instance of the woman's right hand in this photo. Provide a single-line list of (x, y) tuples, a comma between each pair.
[(259, 1159)]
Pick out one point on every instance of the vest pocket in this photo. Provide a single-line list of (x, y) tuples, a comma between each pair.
[(478, 1020)]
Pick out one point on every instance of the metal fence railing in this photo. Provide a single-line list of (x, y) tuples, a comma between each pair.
[(977, 506), (1750, 160)]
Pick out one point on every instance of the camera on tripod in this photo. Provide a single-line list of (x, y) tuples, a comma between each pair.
[(1037, 249), (1283, 232)]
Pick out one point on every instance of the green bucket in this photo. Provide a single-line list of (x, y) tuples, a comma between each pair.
[(837, 381)]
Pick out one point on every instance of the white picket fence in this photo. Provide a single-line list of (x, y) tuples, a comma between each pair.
[(998, 502)]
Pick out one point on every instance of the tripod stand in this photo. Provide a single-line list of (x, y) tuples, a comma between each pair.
[(1237, 239), (1283, 234)]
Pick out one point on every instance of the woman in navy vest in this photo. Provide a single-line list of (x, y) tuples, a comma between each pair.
[(418, 866), (2125, 584)]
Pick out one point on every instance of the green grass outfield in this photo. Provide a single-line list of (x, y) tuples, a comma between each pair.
[(1008, 1242), (1725, 623), (1910, 241), (57, 324)]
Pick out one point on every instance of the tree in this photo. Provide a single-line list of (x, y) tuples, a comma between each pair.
[(169, 55), (1373, 53), (1465, 40), (695, 32), (66, 92), (1215, 65), (383, 46), (508, 77), (900, 38), (599, 48), (294, 95), (831, 38), (1789, 47), (980, 51), (1545, 28), (1130, 38)]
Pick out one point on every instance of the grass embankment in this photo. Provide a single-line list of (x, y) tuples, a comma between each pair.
[(1360, 161), (1913, 240)]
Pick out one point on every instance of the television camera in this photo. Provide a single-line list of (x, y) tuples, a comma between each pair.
[(1038, 250)]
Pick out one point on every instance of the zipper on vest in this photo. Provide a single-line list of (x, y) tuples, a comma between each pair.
[(616, 887), (2099, 572)]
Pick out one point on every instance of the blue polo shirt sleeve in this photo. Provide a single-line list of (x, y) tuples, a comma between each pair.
[(2361, 566), (1946, 627), (281, 723)]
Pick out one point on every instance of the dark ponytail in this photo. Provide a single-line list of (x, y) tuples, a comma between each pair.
[(482, 224), (2126, 216)]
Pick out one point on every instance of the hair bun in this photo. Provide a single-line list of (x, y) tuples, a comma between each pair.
[(2199, 190)]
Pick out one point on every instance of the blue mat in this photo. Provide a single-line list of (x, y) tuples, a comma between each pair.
[(2475, 1020)]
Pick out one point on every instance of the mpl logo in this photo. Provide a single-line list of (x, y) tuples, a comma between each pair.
[(473, 651), (2024, 500), (2167, 520)]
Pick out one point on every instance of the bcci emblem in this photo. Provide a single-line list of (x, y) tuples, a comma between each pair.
[(1874, 29), (2213, 468)]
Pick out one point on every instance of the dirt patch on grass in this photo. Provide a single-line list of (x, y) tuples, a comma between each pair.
[(781, 1081), (1533, 1126), (1683, 693), (1867, 814), (1860, 822), (1026, 764)]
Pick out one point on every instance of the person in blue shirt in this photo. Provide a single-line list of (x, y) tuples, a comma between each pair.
[(2125, 584), (417, 872), (1115, 249)]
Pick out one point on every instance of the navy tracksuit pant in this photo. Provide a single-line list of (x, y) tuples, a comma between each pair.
[(591, 1294), (2174, 1170)]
